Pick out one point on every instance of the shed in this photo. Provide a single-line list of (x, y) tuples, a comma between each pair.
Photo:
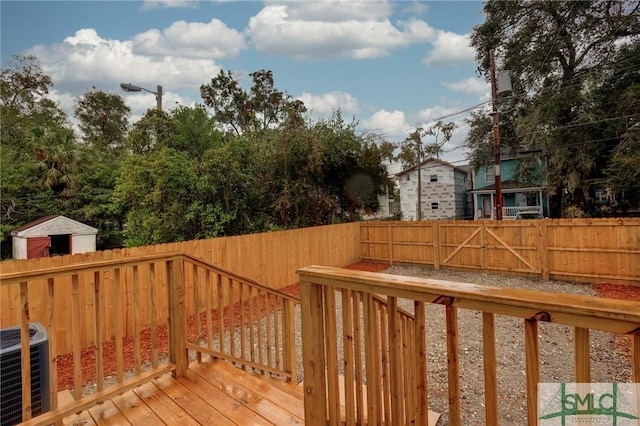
[(52, 235)]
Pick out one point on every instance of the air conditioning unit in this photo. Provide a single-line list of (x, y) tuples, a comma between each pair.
[(11, 373)]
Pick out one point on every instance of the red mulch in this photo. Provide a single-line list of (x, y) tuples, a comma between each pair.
[(88, 357), (624, 292)]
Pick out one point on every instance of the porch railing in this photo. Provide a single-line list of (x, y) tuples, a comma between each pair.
[(185, 304), (392, 356), (512, 212)]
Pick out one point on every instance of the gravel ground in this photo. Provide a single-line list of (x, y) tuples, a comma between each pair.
[(555, 342)]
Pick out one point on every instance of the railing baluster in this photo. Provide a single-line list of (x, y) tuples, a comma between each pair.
[(371, 360), (395, 360), (532, 353), (268, 325), (25, 348), (117, 321), (258, 325), (196, 309), (331, 355), (581, 354), (383, 321), (357, 348), (77, 339), (231, 326), (53, 347), (278, 315), (135, 318), (489, 359), (347, 344), (219, 298), (209, 307), (98, 327), (243, 345), (251, 326), (153, 314), (453, 364), (420, 355)]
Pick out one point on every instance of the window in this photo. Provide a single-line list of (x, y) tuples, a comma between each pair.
[(489, 174), (435, 206), (433, 178)]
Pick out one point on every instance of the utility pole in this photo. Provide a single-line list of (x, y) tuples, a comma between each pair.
[(159, 98), (419, 194), (496, 135)]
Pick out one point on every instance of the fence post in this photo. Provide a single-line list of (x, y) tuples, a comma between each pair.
[(544, 250), (390, 230), (436, 245), (177, 321), (315, 390)]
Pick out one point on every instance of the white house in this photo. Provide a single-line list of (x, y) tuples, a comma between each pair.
[(52, 235), (387, 201), (444, 190)]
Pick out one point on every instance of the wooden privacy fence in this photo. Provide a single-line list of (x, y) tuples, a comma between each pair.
[(380, 345), (587, 250), (197, 306), (269, 258)]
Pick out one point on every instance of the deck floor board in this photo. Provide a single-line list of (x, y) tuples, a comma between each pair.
[(212, 392)]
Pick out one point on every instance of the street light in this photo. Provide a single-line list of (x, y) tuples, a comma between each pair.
[(128, 87)]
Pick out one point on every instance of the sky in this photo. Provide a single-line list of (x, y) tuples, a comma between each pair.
[(390, 65)]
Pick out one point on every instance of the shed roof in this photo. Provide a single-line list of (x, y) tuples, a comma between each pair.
[(53, 225)]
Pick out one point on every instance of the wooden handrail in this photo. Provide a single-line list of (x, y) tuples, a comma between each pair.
[(392, 361), (614, 315)]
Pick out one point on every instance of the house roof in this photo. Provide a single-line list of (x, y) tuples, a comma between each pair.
[(512, 186), (430, 160), (52, 225)]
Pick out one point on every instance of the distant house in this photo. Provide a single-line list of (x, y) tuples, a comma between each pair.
[(444, 190), (52, 235), (389, 206), (518, 195)]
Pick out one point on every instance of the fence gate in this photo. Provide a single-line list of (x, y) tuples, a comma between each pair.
[(486, 247)]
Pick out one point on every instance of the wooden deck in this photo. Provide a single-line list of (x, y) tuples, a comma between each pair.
[(212, 393)]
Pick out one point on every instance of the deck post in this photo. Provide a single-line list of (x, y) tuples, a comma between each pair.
[(177, 321), (315, 391), (289, 343)]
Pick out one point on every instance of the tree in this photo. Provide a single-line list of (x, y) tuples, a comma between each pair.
[(413, 151), (38, 160), (557, 52), (261, 108), (23, 84), (103, 119)]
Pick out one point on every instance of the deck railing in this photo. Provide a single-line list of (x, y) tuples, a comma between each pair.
[(397, 392), (204, 305)]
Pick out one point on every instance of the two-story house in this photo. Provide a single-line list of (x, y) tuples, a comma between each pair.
[(444, 191), (518, 194)]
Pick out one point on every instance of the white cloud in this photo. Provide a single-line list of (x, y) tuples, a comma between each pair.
[(328, 102), (355, 30), (471, 86), (431, 115), (156, 4), (449, 49), (392, 125), (86, 59), (337, 10), (192, 40)]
